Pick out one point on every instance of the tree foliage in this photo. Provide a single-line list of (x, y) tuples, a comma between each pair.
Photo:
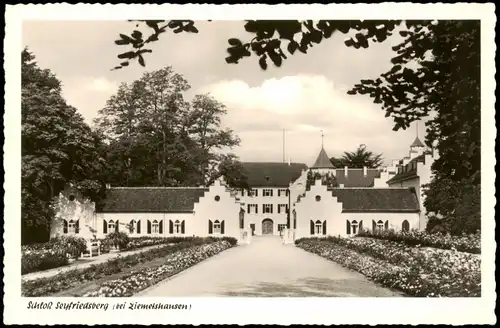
[(435, 75), (327, 179), (157, 138), (358, 159), (57, 148), (272, 39)]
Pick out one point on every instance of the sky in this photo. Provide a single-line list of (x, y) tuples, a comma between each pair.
[(305, 96)]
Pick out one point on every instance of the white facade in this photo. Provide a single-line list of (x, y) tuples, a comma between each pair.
[(219, 211), (422, 176), (319, 209)]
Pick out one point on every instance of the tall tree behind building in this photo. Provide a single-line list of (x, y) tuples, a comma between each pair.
[(158, 138), (57, 148)]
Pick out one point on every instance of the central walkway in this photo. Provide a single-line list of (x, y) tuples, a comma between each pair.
[(267, 268)]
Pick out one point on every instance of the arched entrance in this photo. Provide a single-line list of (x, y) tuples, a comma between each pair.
[(267, 226)]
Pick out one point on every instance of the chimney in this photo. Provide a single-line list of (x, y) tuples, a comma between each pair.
[(289, 162), (345, 170), (341, 185), (364, 171)]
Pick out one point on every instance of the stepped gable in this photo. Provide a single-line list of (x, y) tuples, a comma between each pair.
[(409, 171), (151, 199)]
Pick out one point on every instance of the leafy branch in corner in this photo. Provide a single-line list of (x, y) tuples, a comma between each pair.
[(272, 38), (138, 41)]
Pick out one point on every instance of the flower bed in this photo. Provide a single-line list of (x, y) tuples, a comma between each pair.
[(136, 281), (70, 279), (416, 271), (53, 254), (465, 243)]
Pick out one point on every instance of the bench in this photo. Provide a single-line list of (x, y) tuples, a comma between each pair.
[(93, 248)]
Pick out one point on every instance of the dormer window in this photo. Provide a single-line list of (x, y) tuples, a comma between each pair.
[(268, 178)]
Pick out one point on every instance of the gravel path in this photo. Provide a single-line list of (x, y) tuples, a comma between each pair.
[(268, 268)]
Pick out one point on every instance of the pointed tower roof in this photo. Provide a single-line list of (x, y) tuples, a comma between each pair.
[(417, 143), (323, 161)]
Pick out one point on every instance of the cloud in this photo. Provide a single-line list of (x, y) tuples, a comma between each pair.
[(89, 94), (304, 105), (260, 103)]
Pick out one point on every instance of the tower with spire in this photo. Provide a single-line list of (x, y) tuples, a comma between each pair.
[(322, 163), (417, 148)]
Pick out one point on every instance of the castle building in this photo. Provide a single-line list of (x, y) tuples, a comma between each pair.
[(279, 202)]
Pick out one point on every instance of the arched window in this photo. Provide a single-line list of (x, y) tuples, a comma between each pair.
[(217, 227), (354, 227), (177, 226), (155, 227), (318, 227), (406, 226), (71, 226), (380, 225), (111, 226)]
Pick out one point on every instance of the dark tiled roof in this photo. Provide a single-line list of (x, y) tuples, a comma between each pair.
[(322, 162), (403, 176), (356, 178), (417, 143), (139, 200), (377, 199), (272, 174)]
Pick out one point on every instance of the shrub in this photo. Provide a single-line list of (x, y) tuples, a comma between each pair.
[(52, 254), (464, 243), (231, 240), (74, 246), (39, 260), (118, 239)]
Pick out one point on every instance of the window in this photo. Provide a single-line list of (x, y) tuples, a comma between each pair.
[(406, 226), (267, 193), (177, 226), (281, 227), (380, 225), (217, 198), (252, 208), (155, 227), (71, 198), (253, 193), (354, 227), (318, 227), (267, 208), (217, 227), (111, 226), (282, 208), (318, 198), (282, 192), (71, 226)]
